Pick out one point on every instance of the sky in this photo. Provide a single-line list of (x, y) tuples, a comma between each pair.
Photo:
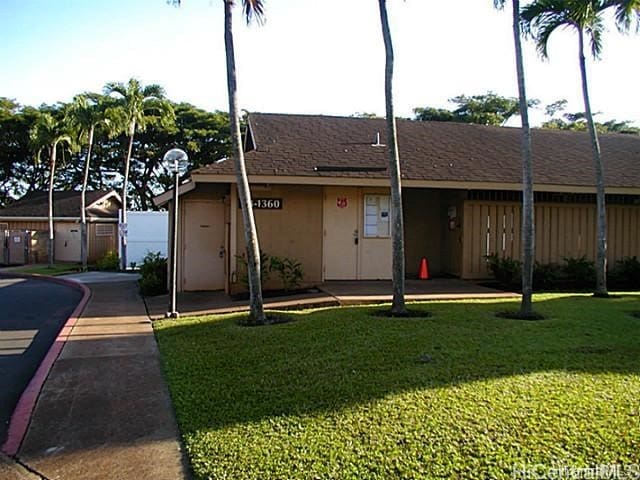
[(311, 56)]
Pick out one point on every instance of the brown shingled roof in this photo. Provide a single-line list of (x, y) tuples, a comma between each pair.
[(65, 204), (294, 145)]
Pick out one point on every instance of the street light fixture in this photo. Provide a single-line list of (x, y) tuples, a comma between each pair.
[(175, 161)]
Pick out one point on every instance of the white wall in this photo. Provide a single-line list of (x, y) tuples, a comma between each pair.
[(146, 232)]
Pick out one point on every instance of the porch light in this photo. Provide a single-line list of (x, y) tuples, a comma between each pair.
[(176, 162)]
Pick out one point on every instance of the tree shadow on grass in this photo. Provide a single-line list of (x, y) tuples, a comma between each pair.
[(222, 374)]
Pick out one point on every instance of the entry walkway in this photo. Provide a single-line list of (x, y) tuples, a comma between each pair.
[(328, 294), (104, 411)]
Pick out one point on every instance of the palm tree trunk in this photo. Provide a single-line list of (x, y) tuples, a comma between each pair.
[(397, 232), (84, 244), (256, 314), (601, 212), (52, 161), (125, 187), (528, 223)]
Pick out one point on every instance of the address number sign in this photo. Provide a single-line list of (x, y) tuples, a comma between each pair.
[(266, 204)]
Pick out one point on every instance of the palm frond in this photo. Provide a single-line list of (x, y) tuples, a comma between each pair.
[(253, 9), (627, 14), (594, 30)]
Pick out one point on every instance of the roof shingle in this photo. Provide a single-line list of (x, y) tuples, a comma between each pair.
[(65, 204), (293, 145)]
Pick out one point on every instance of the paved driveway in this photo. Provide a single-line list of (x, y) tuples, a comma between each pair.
[(31, 315)]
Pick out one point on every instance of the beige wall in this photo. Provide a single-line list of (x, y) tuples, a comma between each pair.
[(295, 231)]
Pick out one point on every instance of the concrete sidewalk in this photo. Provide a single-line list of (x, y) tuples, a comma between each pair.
[(329, 294), (104, 411)]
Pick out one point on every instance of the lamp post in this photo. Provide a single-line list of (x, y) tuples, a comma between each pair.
[(175, 160)]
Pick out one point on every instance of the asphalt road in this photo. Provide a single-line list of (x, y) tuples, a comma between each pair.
[(32, 312)]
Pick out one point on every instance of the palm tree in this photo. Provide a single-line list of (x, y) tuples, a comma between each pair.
[(135, 108), (251, 9), (528, 224), (542, 18), (47, 133), (85, 113), (398, 306)]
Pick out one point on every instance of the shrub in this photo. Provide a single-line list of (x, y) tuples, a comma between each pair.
[(153, 274), (289, 270), (109, 263), (243, 271), (506, 271), (627, 272), (546, 275), (579, 271)]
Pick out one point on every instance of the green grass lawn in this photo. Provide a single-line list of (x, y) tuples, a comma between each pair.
[(339, 393), (56, 269)]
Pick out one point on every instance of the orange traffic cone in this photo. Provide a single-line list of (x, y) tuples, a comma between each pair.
[(423, 273)]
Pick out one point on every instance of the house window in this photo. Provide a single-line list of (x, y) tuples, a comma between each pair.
[(4, 226), (376, 216), (104, 230)]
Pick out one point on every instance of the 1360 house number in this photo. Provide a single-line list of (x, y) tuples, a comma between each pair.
[(266, 204)]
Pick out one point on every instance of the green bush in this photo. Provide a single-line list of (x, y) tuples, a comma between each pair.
[(546, 275), (289, 270), (243, 271), (109, 263), (153, 274), (579, 271), (506, 271), (627, 272)]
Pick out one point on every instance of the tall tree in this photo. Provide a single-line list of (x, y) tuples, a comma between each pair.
[(528, 221), (543, 17), (47, 133), (486, 109), (577, 121), (134, 108), (18, 172), (252, 9), (397, 232), (85, 114)]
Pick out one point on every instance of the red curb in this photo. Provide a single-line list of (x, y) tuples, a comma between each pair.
[(21, 416)]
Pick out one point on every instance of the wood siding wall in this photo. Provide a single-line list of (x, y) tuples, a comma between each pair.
[(99, 246), (562, 230)]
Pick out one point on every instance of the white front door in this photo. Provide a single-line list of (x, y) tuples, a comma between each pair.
[(203, 253), (341, 236)]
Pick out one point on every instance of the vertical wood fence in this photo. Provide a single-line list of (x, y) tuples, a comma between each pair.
[(562, 230)]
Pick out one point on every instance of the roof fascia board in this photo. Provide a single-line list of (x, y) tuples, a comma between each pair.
[(382, 182), (105, 197), (167, 196), (59, 219), (249, 137)]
